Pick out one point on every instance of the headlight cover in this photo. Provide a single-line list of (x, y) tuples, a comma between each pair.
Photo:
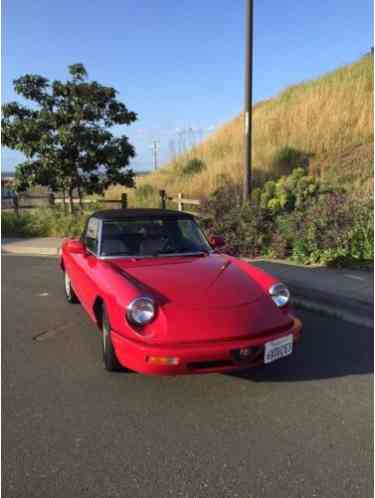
[(141, 311), (280, 294)]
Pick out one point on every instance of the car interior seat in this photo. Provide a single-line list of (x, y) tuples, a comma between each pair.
[(112, 242)]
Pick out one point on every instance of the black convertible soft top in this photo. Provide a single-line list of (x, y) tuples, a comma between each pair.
[(116, 214)]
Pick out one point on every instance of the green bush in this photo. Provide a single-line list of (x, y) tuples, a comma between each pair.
[(43, 223), (225, 197), (332, 229), (244, 228), (193, 166), (287, 158), (145, 190), (147, 196), (13, 225), (344, 229), (255, 230), (296, 217), (289, 192)]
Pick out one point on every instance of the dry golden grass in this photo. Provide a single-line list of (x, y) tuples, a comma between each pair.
[(330, 118)]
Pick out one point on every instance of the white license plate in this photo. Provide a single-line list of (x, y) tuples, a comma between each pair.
[(278, 348)]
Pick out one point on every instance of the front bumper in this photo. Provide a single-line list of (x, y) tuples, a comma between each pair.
[(205, 357)]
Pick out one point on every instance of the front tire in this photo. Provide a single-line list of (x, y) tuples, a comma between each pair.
[(110, 360), (69, 292)]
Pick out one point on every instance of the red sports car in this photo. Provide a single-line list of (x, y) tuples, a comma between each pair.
[(166, 301)]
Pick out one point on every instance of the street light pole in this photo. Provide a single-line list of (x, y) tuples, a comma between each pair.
[(248, 99)]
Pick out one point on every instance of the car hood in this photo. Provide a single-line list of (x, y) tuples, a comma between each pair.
[(202, 299), (208, 281)]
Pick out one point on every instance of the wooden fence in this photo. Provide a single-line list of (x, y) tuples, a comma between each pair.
[(180, 200), (20, 202)]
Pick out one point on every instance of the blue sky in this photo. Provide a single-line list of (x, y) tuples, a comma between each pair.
[(178, 64)]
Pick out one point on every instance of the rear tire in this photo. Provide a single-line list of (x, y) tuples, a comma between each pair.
[(71, 296), (110, 360)]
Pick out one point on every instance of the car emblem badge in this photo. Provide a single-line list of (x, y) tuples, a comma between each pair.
[(244, 353)]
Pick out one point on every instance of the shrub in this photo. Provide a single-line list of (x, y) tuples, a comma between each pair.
[(13, 225), (193, 166), (362, 232), (244, 228), (145, 190), (43, 223), (286, 158), (224, 199), (147, 196), (278, 247), (332, 230), (255, 230), (289, 192), (297, 217)]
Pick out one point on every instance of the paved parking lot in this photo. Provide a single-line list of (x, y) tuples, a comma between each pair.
[(298, 428)]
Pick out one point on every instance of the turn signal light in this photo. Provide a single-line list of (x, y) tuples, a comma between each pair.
[(163, 360)]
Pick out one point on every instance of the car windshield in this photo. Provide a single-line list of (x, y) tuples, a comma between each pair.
[(152, 237)]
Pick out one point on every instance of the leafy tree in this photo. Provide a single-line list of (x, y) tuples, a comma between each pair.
[(65, 134)]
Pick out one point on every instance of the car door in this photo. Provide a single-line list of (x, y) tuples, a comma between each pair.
[(84, 265)]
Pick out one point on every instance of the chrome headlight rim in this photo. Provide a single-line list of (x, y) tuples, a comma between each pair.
[(280, 294), (131, 310)]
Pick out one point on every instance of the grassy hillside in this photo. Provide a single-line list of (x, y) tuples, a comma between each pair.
[(329, 120)]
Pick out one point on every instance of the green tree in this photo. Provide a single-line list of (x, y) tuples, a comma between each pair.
[(65, 134)]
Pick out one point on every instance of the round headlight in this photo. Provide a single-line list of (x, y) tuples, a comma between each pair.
[(141, 311), (280, 294)]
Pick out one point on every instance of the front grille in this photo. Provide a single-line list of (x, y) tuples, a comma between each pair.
[(201, 365), (256, 353)]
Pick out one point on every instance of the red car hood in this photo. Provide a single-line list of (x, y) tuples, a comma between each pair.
[(208, 282), (203, 299)]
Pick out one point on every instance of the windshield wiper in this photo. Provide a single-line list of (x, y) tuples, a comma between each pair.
[(199, 253), (186, 254)]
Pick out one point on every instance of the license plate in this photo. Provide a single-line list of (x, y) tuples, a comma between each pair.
[(274, 350)]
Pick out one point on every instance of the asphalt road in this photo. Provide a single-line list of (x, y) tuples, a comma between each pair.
[(297, 428)]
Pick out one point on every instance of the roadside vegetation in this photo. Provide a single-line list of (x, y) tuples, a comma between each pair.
[(297, 217), (312, 168), (312, 200), (328, 122), (43, 223)]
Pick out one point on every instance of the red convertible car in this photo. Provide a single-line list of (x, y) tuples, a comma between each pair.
[(167, 301)]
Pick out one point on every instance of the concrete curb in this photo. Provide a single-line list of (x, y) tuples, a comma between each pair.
[(31, 251)]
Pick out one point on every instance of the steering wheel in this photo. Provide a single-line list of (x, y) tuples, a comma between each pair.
[(166, 245)]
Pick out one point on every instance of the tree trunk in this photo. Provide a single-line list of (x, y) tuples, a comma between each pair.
[(71, 201), (64, 201), (80, 198)]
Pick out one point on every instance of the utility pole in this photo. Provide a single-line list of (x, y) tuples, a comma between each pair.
[(181, 141), (155, 152), (248, 100), (191, 138), (172, 149)]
